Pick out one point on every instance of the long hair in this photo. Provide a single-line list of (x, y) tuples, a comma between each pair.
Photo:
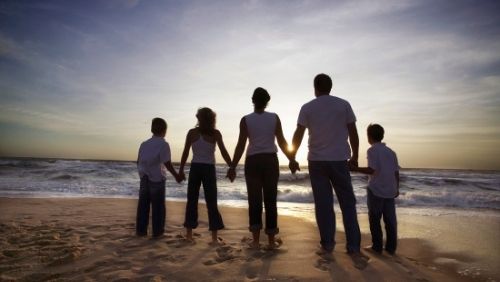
[(206, 121)]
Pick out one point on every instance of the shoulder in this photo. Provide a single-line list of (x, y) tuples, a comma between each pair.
[(391, 151), (371, 151), (339, 100), (193, 132), (309, 104), (271, 114), (217, 133)]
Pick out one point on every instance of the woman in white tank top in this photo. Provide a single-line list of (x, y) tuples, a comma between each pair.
[(261, 128), (202, 139)]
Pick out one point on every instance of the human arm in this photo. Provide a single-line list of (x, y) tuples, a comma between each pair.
[(171, 169), (185, 154), (223, 151), (354, 141), (238, 152), (281, 139), (298, 135), (396, 174), (365, 170)]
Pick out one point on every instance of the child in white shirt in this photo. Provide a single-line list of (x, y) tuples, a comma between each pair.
[(152, 162), (383, 187)]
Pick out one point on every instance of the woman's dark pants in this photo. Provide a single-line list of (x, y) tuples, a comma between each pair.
[(261, 175), (202, 174)]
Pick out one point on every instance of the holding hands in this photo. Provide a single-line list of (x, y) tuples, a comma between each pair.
[(353, 164), (231, 174), (294, 166), (182, 176)]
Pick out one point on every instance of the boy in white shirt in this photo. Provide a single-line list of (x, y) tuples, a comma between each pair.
[(383, 187), (152, 162)]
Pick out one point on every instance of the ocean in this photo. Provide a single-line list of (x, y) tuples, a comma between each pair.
[(421, 189)]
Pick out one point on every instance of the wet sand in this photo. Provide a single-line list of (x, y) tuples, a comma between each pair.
[(87, 239)]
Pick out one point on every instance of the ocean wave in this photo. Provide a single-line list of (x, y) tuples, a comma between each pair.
[(65, 177), (433, 188)]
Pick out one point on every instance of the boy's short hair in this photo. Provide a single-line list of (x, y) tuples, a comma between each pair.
[(260, 98), (323, 83), (375, 132), (158, 126)]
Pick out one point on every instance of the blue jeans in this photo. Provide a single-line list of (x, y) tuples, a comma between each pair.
[(202, 173), (326, 175), (382, 208), (151, 193)]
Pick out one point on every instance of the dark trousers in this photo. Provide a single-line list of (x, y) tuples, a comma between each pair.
[(151, 193), (324, 175), (382, 208), (198, 174), (261, 176)]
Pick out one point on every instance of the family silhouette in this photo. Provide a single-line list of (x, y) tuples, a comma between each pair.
[(333, 152)]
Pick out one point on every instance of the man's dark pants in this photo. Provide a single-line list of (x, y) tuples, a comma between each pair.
[(151, 193), (324, 176)]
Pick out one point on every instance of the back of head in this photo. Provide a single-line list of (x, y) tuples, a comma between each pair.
[(322, 84), (375, 132), (206, 121), (158, 126), (260, 98)]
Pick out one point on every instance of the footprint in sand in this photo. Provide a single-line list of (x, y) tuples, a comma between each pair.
[(323, 264), (224, 253)]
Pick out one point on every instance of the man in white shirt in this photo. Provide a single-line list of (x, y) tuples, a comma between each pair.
[(330, 121)]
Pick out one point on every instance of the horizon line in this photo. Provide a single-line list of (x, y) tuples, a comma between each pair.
[(178, 162)]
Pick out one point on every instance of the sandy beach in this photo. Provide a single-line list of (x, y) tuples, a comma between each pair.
[(90, 239)]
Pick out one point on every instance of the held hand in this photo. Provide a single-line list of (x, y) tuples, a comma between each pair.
[(231, 174), (352, 167), (178, 178), (293, 166), (353, 163), (182, 175)]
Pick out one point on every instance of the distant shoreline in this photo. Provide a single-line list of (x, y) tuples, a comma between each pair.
[(241, 164)]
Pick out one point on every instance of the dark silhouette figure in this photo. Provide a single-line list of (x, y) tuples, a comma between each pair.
[(383, 187), (153, 158), (330, 121), (203, 139), (261, 128)]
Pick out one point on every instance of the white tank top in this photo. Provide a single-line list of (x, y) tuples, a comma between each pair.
[(203, 151), (261, 131)]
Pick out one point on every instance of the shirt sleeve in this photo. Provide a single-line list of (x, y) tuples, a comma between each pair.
[(372, 159), (165, 153), (302, 120), (350, 114), (396, 163)]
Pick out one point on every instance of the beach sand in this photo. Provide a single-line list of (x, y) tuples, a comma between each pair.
[(90, 239)]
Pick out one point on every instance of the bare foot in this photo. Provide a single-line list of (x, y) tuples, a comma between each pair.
[(275, 244), (217, 242), (250, 243)]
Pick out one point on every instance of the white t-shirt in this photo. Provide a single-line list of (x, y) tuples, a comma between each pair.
[(385, 163), (261, 129), (326, 119), (153, 153)]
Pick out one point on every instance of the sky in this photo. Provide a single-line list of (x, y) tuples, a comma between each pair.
[(83, 79)]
